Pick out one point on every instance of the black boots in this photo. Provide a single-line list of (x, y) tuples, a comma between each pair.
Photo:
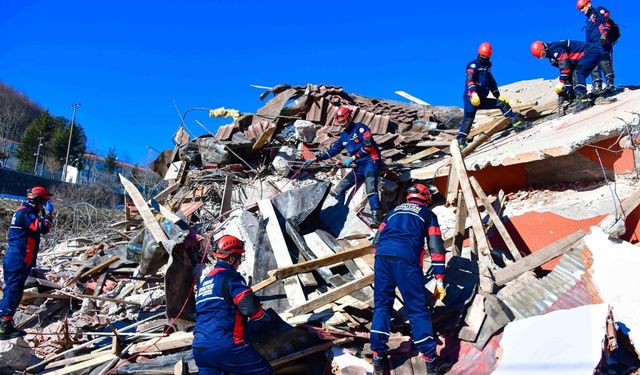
[(582, 102), (518, 124), (8, 331), (375, 218), (380, 364), (436, 366)]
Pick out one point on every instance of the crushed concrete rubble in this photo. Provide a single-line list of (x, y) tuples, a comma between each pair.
[(122, 302)]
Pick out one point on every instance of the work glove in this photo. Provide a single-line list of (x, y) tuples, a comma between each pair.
[(559, 88), (48, 208), (503, 99), (475, 99), (308, 162), (348, 161), (439, 293)]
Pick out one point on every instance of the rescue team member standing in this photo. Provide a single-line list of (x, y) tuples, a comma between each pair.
[(30, 220), (479, 83), (364, 154), (597, 28), (224, 302), (575, 60), (399, 252)]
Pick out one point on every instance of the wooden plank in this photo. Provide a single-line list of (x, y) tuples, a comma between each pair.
[(175, 171), (165, 193), (292, 287), (83, 365), (332, 295), (99, 267), (225, 207), (314, 349), (460, 227), (419, 155), (538, 258), (67, 295), (495, 218), (175, 340), (481, 138), (149, 220), (440, 144), (265, 137)]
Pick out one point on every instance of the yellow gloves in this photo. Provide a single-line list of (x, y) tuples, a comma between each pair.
[(439, 293), (224, 112), (559, 88), (475, 99), (503, 99)]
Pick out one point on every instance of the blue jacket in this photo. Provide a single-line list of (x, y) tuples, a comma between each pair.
[(479, 79), (597, 26), (357, 139), (25, 230), (403, 232), (223, 304), (566, 54)]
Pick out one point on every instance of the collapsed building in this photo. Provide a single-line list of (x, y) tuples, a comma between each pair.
[(539, 228)]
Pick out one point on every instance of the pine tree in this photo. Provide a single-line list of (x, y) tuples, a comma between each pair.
[(58, 151), (110, 162), (42, 126)]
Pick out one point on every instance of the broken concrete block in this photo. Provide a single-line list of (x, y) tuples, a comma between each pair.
[(15, 355), (305, 131), (613, 226), (281, 161)]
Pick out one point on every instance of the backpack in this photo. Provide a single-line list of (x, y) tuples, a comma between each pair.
[(614, 32)]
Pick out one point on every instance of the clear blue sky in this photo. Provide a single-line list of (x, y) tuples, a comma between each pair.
[(128, 61)]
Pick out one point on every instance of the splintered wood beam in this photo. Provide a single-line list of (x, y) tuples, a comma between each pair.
[(495, 218), (314, 349), (419, 155), (225, 207), (148, 218), (292, 286), (332, 295), (540, 257), (460, 228)]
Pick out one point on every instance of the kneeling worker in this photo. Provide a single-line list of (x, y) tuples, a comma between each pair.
[(224, 302)]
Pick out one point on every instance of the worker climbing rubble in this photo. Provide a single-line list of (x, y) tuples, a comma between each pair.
[(32, 219), (224, 302), (479, 83), (601, 33), (575, 60), (364, 157), (399, 252)]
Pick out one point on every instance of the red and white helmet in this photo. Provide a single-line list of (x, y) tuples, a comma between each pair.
[(485, 50), (343, 115), (227, 245), (582, 3), (538, 49), (420, 192), (38, 193)]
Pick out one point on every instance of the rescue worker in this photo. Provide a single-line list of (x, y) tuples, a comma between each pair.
[(32, 219), (364, 157), (479, 83), (575, 60), (597, 28), (224, 302), (399, 252)]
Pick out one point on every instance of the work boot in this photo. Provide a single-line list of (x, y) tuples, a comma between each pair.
[(609, 90), (462, 143), (436, 366), (375, 218), (519, 124), (596, 89), (380, 364), (582, 103), (8, 331)]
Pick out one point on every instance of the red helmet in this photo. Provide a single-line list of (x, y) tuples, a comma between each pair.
[(485, 50), (582, 3), (343, 115), (538, 49), (39, 192), (228, 245), (420, 192)]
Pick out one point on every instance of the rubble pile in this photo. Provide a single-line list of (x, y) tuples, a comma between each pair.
[(122, 301)]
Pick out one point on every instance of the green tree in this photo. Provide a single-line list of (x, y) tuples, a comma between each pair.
[(58, 151), (41, 126), (111, 162)]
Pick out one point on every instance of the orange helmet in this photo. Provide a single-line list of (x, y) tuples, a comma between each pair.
[(343, 115), (38, 193), (538, 49), (485, 50), (228, 245), (582, 3), (420, 192)]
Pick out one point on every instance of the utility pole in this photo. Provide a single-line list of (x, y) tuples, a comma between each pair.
[(37, 155), (66, 160)]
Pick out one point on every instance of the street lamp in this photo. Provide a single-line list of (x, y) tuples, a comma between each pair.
[(37, 155), (66, 160)]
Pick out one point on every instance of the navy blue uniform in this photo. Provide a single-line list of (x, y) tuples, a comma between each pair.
[(24, 241), (575, 60), (224, 302), (597, 29), (479, 80), (358, 141), (399, 252)]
